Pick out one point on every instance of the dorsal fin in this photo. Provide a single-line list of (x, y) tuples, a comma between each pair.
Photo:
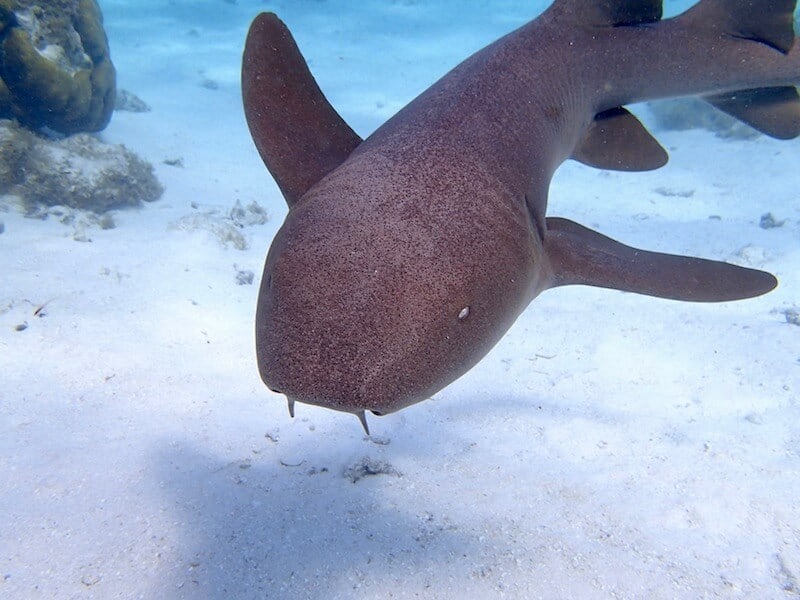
[(581, 256), (616, 140), (770, 22), (300, 137), (772, 111), (609, 13)]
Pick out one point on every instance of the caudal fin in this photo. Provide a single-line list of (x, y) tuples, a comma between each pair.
[(581, 256), (769, 22), (608, 13), (774, 111)]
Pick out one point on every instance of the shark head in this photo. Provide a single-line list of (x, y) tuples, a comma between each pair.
[(364, 311)]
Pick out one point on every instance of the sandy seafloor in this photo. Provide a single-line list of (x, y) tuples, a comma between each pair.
[(610, 446)]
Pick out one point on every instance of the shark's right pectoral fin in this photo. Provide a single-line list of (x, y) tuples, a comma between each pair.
[(300, 136), (617, 141), (581, 256)]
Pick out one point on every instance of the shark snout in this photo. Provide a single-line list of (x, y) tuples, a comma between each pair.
[(359, 413), (358, 346)]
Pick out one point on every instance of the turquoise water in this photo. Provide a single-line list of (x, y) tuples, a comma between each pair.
[(611, 444)]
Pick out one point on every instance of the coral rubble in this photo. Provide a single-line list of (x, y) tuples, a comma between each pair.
[(79, 172)]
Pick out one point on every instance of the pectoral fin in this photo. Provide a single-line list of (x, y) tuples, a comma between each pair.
[(617, 141), (300, 137), (584, 257)]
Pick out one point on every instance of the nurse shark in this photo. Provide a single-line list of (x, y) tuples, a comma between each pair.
[(406, 256)]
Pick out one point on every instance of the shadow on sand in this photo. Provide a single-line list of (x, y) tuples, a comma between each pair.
[(264, 528)]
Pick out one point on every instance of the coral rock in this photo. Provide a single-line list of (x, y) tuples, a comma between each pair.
[(55, 67), (79, 172)]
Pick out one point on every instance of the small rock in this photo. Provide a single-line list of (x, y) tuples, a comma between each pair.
[(244, 277), (246, 216), (674, 193), (175, 161), (754, 418), (378, 440), (225, 231), (128, 101), (768, 221), (792, 316), (368, 466)]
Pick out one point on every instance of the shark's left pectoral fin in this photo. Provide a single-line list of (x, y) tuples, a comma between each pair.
[(617, 141), (772, 111), (300, 136), (581, 256)]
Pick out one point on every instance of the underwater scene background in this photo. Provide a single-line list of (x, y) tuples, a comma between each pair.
[(611, 445)]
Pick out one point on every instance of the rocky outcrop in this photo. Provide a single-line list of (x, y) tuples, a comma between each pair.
[(79, 172), (55, 67)]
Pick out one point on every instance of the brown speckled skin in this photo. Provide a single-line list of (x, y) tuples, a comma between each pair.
[(375, 285), (443, 207)]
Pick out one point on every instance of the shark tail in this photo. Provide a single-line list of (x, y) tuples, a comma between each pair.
[(774, 111)]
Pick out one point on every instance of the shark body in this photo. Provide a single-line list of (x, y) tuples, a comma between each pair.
[(406, 256)]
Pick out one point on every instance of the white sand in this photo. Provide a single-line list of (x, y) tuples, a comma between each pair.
[(610, 446)]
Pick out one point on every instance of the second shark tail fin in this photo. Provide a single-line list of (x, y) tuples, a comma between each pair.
[(774, 111), (769, 22), (609, 13)]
